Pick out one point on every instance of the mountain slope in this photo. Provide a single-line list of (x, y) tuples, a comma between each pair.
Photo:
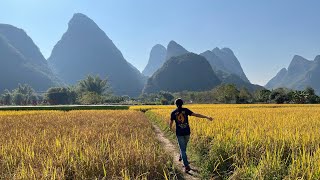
[(15, 68), (188, 72), (156, 59), (301, 73), (227, 78), (276, 81), (86, 49), (175, 49), (225, 60), (23, 43)]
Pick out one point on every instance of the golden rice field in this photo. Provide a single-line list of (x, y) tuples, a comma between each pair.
[(80, 145), (252, 141)]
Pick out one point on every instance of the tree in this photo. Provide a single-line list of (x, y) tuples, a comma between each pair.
[(262, 95), (310, 91), (61, 95), (93, 84), (299, 97), (23, 94), (166, 97), (226, 93), (245, 96), (18, 99), (6, 97), (24, 89), (91, 98), (311, 96), (279, 95)]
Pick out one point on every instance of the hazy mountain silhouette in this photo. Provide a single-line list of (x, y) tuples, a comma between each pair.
[(159, 54), (156, 59), (225, 60), (175, 49), (301, 73), (86, 49), (22, 62), (277, 80), (189, 72), (227, 67)]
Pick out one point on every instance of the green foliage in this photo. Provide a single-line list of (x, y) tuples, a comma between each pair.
[(22, 95), (93, 90), (18, 99), (226, 93), (93, 84), (279, 96), (116, 99), (64, 108), (6, 98), (163, 97), (306, 96), (61, 95), (262, 95), (91, 98), (166, 96), (245, 96)]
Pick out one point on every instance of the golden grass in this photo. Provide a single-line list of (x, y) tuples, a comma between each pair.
[(79, 145), (255, 141)]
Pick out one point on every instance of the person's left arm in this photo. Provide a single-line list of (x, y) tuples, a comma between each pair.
[(190, 113), (202, 116)]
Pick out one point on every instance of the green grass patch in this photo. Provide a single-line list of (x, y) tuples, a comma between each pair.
[(62, 108)]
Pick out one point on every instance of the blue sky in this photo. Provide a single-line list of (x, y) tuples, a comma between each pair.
[(264, 35)]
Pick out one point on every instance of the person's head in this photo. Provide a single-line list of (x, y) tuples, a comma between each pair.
[(178, 102)]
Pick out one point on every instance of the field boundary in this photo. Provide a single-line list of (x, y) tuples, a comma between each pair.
[(64, 107)]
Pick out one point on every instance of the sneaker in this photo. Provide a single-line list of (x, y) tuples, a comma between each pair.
[(187, 169)]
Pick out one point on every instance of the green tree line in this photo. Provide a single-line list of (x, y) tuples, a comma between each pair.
[(91, 90), (94, 90)]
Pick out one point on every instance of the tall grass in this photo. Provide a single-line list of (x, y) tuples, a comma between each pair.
[(255, 141), (80, 145)]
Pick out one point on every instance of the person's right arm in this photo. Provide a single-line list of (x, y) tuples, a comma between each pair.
[(170, 124), (171, 121)]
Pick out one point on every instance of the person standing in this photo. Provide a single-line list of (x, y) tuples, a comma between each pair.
[(180, 116)]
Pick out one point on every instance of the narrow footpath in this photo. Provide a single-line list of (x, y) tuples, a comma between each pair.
[(174, 152)]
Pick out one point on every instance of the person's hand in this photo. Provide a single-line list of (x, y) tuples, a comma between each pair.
[(210, 118)]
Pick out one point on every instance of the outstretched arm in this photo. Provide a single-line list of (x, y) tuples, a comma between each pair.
[(202, 116)]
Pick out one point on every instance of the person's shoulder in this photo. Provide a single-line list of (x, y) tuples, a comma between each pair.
[(173, 111), (186, 109)]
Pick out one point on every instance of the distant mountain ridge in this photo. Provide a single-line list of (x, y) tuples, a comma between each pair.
[(220, 59), (22, 62), (86, 49), (188, 72), (225, 60), (301, 73)]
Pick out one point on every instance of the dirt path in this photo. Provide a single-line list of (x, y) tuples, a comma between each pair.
[(174, 152)]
